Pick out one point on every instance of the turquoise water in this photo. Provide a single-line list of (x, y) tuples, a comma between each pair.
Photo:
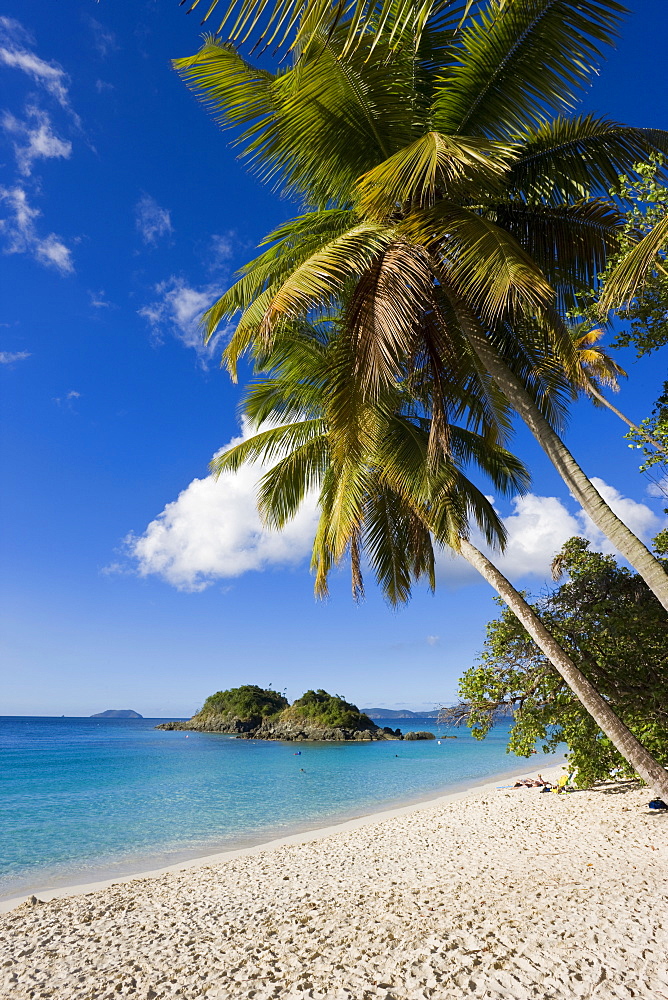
[(86, 799)]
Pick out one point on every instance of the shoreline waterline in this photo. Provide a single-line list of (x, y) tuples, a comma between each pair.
[(306, 834)]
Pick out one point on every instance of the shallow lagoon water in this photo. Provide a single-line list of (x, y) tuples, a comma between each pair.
[(82, 799)]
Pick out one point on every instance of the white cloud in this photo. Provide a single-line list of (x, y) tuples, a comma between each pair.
[(152, 221), (67, 399), (433, 640), (178, 310), (9, 357), (640, 518), (213, 531), (21, 235), (220, 251), (537, 529), (104, 38), (15, 52), (34, 139), (658, 488), (98, 300)]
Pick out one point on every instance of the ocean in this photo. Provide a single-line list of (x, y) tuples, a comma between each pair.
[(88, 799)]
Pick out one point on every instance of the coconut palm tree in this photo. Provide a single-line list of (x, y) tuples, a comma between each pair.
[(382, 496), (451, 201)]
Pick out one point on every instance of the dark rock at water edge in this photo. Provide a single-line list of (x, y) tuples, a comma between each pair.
[(420, 735), (117, 713), (291, 730)]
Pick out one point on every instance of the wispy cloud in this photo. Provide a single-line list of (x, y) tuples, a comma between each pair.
[(221, 249), (152, 221), (16, 45), (177, 309), (21, 234), (9, 357), (98, 300), (68, 399), (433, 640), (34, 139), (104, 39)]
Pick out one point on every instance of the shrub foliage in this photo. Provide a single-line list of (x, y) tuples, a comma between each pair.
[(246, 702), (615, 630), (329, 710)]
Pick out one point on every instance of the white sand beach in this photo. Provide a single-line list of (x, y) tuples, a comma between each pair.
[(494, 893)]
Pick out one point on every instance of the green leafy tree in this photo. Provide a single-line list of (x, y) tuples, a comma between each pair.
[(615, 630), (453, 206), (634, 284), (641, 303), (652, 439), (246, 702), (329, 710)]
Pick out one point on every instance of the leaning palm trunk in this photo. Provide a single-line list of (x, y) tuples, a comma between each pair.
[(640, 431), (584, 491), (629, 747)]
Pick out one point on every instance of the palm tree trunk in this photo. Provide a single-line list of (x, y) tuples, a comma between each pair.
[(593, 391), (631, 749), (584, 491)]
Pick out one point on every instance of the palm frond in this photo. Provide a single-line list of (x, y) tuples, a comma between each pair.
[(287, 247), (397, 543), (312, 129), (285, 22), (570, 243), (283, 489), (520, 61), (268, 445), (231, 88), (597, 365), (627, 278), (485, 263), (386, 312), (568, 159), (428, 168), (320, 280)]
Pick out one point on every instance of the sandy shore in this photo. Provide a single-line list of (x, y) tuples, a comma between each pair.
[(491, 893)]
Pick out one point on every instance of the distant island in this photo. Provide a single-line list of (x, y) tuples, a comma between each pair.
[(117, 713), (404, 713), (251, 712)]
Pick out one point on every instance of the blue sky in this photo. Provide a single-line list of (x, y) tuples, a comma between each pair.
[(124, 214)]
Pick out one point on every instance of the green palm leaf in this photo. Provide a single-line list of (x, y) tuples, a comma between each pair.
[(485, 263), (521, 60), (433, 166), (570, 243), (268, 445), (568, 159), (285, 21), (320, 280), (283, 489), (626, 279)]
